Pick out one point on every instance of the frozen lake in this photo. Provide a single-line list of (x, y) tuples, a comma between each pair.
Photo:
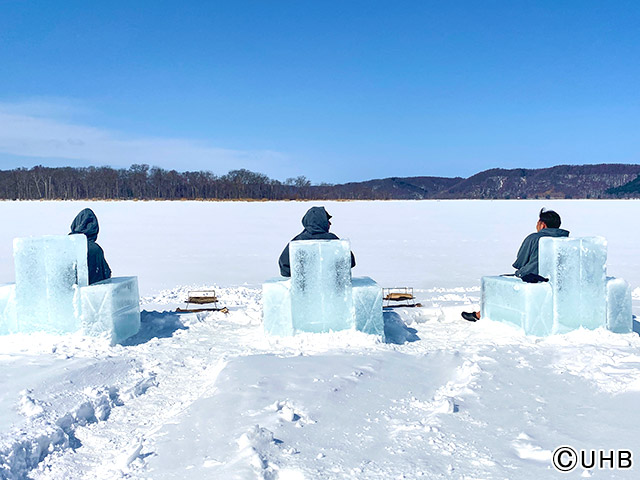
[(209, 395), (424, 244)]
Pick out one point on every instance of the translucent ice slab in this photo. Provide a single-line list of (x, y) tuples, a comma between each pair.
[(47, 270), (8, 309), (619, 316), (276, 307), (576, 269), (321, 297), (526, 305), (111, 306), (367, 300)]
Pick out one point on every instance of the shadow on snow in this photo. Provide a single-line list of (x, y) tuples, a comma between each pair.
[(396, 331), (155, 325)]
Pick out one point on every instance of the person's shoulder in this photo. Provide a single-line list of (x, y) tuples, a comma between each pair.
[(94, 247), (304, 235), (531, 237)]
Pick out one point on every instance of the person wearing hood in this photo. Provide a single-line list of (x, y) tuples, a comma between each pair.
[(316, 227), (86, 223), (526, 263)]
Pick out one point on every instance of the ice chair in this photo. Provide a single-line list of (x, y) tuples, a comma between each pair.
[(578, 294), (321, 296), (52, 295)]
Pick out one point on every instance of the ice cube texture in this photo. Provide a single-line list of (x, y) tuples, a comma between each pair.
[(619, 316), (367, 302), (111, 307), (276, 307), (321, 294), (47, 271), (8, 309), (528, 306), (576, 269)]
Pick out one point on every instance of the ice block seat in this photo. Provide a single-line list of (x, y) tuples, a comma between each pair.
[(111, 306), (276, 307), (619, 316), (321, 296), (367, 301), (528, 306), (52, 295), (577, 295)]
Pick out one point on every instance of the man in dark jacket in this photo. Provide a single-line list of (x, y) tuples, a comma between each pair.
[(316, 227), (548, 226), (86, 222), (526, 263)]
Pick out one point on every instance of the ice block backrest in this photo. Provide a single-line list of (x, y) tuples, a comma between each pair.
[(528, 306), (576, 268), (619, 315), (47, 270), (276, 307), (367, 301), (321, 295), (111, 306)]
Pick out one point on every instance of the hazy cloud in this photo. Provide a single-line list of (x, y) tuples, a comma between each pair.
[(36, 130)]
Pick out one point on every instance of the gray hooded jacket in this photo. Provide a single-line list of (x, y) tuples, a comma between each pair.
[(86, 222), (316, 227), (527, 261)]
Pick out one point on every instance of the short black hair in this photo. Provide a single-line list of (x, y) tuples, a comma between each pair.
[(550, 218)]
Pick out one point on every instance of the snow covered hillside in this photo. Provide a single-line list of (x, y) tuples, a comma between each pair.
[(209, 396)]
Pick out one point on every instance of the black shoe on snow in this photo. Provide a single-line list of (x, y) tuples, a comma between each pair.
[(470, 316)]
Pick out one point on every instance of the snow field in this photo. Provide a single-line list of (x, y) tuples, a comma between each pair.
[(209, 396)]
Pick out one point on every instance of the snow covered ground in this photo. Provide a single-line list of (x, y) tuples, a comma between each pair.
[(209, 396)]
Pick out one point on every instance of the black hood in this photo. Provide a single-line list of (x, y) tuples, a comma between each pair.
[(86, 222), (316, 220)]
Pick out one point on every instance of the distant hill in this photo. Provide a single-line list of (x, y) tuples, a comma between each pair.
[(629, 190), (563, 181), (393, 188)]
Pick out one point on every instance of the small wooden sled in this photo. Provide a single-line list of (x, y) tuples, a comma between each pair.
[(202, 297), (398, 297)]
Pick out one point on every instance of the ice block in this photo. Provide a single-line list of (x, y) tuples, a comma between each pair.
[(111, 306), (8, 308), (47, 271), (525, 305), (367, 301), (619, 316), (576, 269), (321, 297), (276, 307)]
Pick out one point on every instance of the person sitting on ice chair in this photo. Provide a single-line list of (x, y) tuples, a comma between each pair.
[(316, 227), (526, 263), (86, 223)]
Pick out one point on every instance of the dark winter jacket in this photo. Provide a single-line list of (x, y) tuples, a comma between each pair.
[(527, 261), (86, 222), (316, 227)]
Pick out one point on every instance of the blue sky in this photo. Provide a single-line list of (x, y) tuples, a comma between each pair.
[(336, 91)]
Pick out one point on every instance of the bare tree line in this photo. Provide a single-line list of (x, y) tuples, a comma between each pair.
[(144, 183)]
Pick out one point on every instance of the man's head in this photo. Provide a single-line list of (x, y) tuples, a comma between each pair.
[(548, 219), (316, 220)]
